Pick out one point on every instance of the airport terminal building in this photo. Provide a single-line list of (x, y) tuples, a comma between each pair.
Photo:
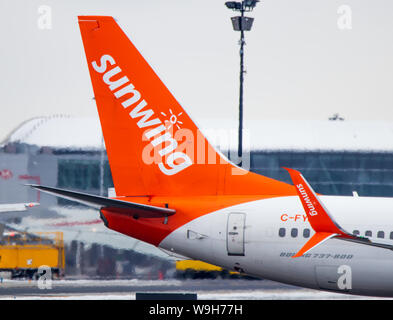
[(336, 157)]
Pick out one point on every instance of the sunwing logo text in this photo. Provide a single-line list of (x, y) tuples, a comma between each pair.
[(307, 200), (169, 156)]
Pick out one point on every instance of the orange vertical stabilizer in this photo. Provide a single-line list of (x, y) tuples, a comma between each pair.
[(154, 148)]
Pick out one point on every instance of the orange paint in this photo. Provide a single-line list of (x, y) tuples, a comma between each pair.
[(318, 216), (156, 153), (316, 239)]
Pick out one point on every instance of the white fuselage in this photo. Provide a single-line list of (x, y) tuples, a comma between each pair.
[(250, 237)]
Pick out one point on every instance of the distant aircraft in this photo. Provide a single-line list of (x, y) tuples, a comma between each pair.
[(173, 190), (10, 207)]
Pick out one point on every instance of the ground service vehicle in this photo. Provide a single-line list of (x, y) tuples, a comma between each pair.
[(195, 269), (27, 255)]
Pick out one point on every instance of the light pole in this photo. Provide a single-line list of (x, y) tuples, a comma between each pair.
[(241, 23)]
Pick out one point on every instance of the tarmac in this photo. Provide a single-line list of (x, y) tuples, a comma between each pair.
[(126, 289)]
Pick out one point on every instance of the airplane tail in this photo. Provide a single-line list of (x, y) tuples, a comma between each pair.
[(153, 146)]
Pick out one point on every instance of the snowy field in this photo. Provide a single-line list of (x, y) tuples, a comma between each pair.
[(126, 290)]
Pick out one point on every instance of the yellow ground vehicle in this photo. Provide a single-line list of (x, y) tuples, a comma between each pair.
[(195, 269), (23, 254)]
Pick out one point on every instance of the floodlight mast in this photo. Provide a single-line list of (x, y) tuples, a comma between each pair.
[(241, 24)]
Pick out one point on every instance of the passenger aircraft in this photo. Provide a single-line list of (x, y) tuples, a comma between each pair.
[(173, 190)]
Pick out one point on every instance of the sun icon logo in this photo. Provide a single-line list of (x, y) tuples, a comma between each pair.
[(173, 119)]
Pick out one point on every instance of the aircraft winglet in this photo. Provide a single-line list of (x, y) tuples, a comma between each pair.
[(318, 216), (315, 240)]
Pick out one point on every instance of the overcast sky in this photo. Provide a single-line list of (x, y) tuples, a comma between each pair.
[(305, 59)]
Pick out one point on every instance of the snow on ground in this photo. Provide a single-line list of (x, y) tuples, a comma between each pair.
[(168, 286), (225, 295)]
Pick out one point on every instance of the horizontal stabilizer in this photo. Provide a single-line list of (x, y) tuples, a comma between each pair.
[(119, 206)]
